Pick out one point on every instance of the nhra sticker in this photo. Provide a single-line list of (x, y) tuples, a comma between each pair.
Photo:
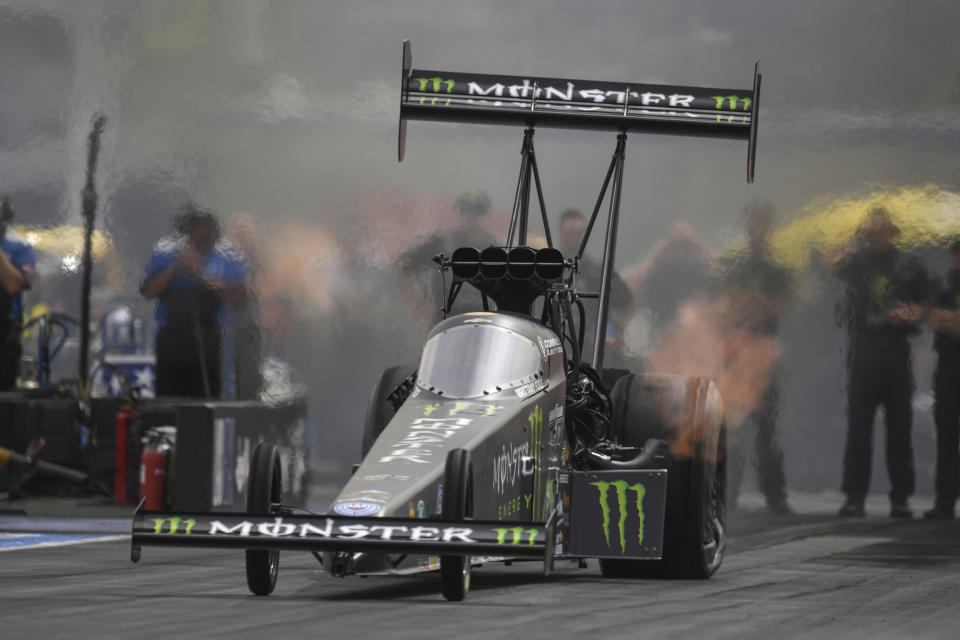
[(531, 388), (550, 346), (356, 508)]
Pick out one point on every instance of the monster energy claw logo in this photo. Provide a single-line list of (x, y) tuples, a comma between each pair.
[(174, 525), (517, 535), (434, 85), (621, 488), (733, 103), (536, 445)]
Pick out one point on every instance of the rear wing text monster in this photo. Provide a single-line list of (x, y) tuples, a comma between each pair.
[(579, 104)]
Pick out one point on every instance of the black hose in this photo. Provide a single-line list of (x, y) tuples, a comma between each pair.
[(654, 450)]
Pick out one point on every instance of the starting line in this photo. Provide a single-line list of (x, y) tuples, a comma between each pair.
[(22, 541)]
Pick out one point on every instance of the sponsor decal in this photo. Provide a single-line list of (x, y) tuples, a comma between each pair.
[(368, 495), (242, 464), (517, 535), (569, 93), (732, 103), (421, 509), (510, 464), (357, 508), (280, 529), (620, 489), (550, 346), (472, 408), (425, 434), (173, 525), (556, 414), (379, 477), (224, 437), (435, 85), (513, 506), (536, 444), (529, 389)]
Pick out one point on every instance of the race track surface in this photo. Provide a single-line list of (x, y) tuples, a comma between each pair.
[(808, 575)]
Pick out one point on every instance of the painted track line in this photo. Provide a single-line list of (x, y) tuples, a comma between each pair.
[(21, 542)]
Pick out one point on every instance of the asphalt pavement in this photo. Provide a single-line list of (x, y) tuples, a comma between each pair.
[(806, 575)]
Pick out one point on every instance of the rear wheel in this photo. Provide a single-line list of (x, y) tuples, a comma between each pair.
[(379, 407), (457, 506), (687, 412), (264, 492)]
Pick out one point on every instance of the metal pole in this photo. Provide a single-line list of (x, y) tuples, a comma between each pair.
[(89, 212), (609, 254), (543, 206), (522, 196), (525, 196), (596, 208)]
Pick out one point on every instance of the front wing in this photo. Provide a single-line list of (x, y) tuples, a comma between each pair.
[(340, 533)]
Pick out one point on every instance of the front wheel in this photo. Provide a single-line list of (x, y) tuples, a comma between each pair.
[(457, 506), (264, 493)]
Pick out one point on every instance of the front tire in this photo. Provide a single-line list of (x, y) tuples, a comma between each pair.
[(687, 412), (457, 506), (264, 491)]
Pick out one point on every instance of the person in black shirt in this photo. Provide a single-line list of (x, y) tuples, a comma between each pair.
[(678, 269), (945, 321), (885, 293), (759, 291)]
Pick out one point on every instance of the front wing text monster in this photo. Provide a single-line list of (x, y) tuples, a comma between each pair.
[(339, 533)]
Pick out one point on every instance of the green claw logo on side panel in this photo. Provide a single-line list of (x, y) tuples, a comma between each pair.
[(621, 488), (536, 446)]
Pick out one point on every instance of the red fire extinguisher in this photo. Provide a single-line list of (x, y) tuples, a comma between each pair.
[(154, 465)]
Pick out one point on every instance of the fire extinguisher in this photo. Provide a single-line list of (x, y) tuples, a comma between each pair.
[(154, 468)]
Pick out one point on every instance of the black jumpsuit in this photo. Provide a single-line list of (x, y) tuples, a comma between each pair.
[(946, 389), (758, 275), (879, 366)]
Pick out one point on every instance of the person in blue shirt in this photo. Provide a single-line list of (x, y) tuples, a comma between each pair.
[(192, 275), (17, 264)]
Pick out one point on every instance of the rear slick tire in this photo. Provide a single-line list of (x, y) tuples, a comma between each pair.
[(457, 506), (687, 412), (264, 491)]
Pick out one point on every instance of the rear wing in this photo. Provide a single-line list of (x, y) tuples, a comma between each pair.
[(578, 104)]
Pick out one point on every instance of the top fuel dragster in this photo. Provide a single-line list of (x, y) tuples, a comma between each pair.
[(506, 442)]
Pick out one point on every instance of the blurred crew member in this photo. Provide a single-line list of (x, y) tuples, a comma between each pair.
[(244, 313), (759, 291), (676, 270), (885, 292), (418, 262), (573, 224), (191, 275), (945, 322), (17, 264)]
